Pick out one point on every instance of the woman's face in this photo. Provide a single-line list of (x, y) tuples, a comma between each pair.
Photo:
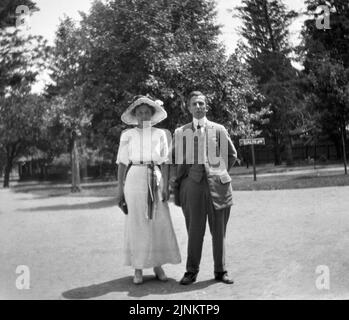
[(143, 113)]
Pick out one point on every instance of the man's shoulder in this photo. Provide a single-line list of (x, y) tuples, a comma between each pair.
[(210, 124), (184, 127), (215, 125)]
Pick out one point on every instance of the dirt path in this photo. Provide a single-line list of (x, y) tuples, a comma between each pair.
[(275, 242)]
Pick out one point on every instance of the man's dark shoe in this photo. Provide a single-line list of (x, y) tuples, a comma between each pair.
[(188, 278), (223, 277)]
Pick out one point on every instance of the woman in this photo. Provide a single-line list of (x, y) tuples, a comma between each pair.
[(150, 240)]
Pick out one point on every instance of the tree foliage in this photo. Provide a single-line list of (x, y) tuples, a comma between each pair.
[(325, 54), (21, 59), (21, 124), (265, 48), (165, 48)]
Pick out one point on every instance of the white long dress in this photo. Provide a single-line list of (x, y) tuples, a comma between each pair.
[(147, 242)]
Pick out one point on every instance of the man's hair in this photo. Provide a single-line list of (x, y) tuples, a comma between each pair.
[(195, 94)]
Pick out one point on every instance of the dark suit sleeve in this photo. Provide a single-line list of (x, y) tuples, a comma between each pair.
[(173, 149), (178, 169), (232, 153), (176, 147)]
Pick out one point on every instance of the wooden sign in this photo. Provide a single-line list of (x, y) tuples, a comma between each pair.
[(251, 141)]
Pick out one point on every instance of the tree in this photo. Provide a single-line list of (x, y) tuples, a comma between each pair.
[(330, 97), (66, 95), (165, 48), (232, 92), (21, 59), (319, 43), (325, 55), (129, 44), (21, 118), (65, 114), (266, 50)]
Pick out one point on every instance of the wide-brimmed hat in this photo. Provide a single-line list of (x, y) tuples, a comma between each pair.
[(160, 114)]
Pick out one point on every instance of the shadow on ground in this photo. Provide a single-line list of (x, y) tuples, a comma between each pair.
[(150, 286), (107, 203)]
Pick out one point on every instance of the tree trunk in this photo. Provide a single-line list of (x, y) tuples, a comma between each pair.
[(11, 151), (75, 170), (8, 169)]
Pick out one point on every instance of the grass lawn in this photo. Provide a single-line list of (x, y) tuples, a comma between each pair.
[(283, 168), (279, 182), (270, 181)]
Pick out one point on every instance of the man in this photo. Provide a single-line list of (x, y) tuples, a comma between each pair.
[(202, 186)]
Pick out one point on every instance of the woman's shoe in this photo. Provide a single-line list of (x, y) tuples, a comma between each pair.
[(160, 274), (138, 278)]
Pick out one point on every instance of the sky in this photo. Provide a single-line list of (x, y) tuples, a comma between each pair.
[(230, 35), (45, 21)]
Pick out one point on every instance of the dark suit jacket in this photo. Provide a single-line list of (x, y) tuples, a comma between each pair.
[(219, 156)]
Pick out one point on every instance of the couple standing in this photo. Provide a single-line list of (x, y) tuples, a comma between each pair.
[(202, 189)]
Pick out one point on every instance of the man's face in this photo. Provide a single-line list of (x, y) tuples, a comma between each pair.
[(198, 107)]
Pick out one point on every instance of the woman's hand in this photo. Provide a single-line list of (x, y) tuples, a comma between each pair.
[(121, 176), (165, 192), (119, 194)]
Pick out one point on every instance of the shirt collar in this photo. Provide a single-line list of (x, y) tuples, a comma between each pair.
[(202, 122)]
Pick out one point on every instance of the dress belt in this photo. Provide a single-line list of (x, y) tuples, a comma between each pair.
[(142, 163)]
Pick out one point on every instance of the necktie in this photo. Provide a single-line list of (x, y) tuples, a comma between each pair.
[(198, 157)]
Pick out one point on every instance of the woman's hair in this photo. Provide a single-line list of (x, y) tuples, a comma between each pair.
[(135, 98), (133, 112)]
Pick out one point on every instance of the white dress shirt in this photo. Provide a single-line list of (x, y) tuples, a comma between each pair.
[(201, 122)]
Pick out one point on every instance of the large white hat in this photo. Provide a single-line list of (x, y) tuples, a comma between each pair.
[(160, 114)]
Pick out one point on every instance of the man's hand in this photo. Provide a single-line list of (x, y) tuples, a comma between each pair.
[(165, 192), (173, 182)]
